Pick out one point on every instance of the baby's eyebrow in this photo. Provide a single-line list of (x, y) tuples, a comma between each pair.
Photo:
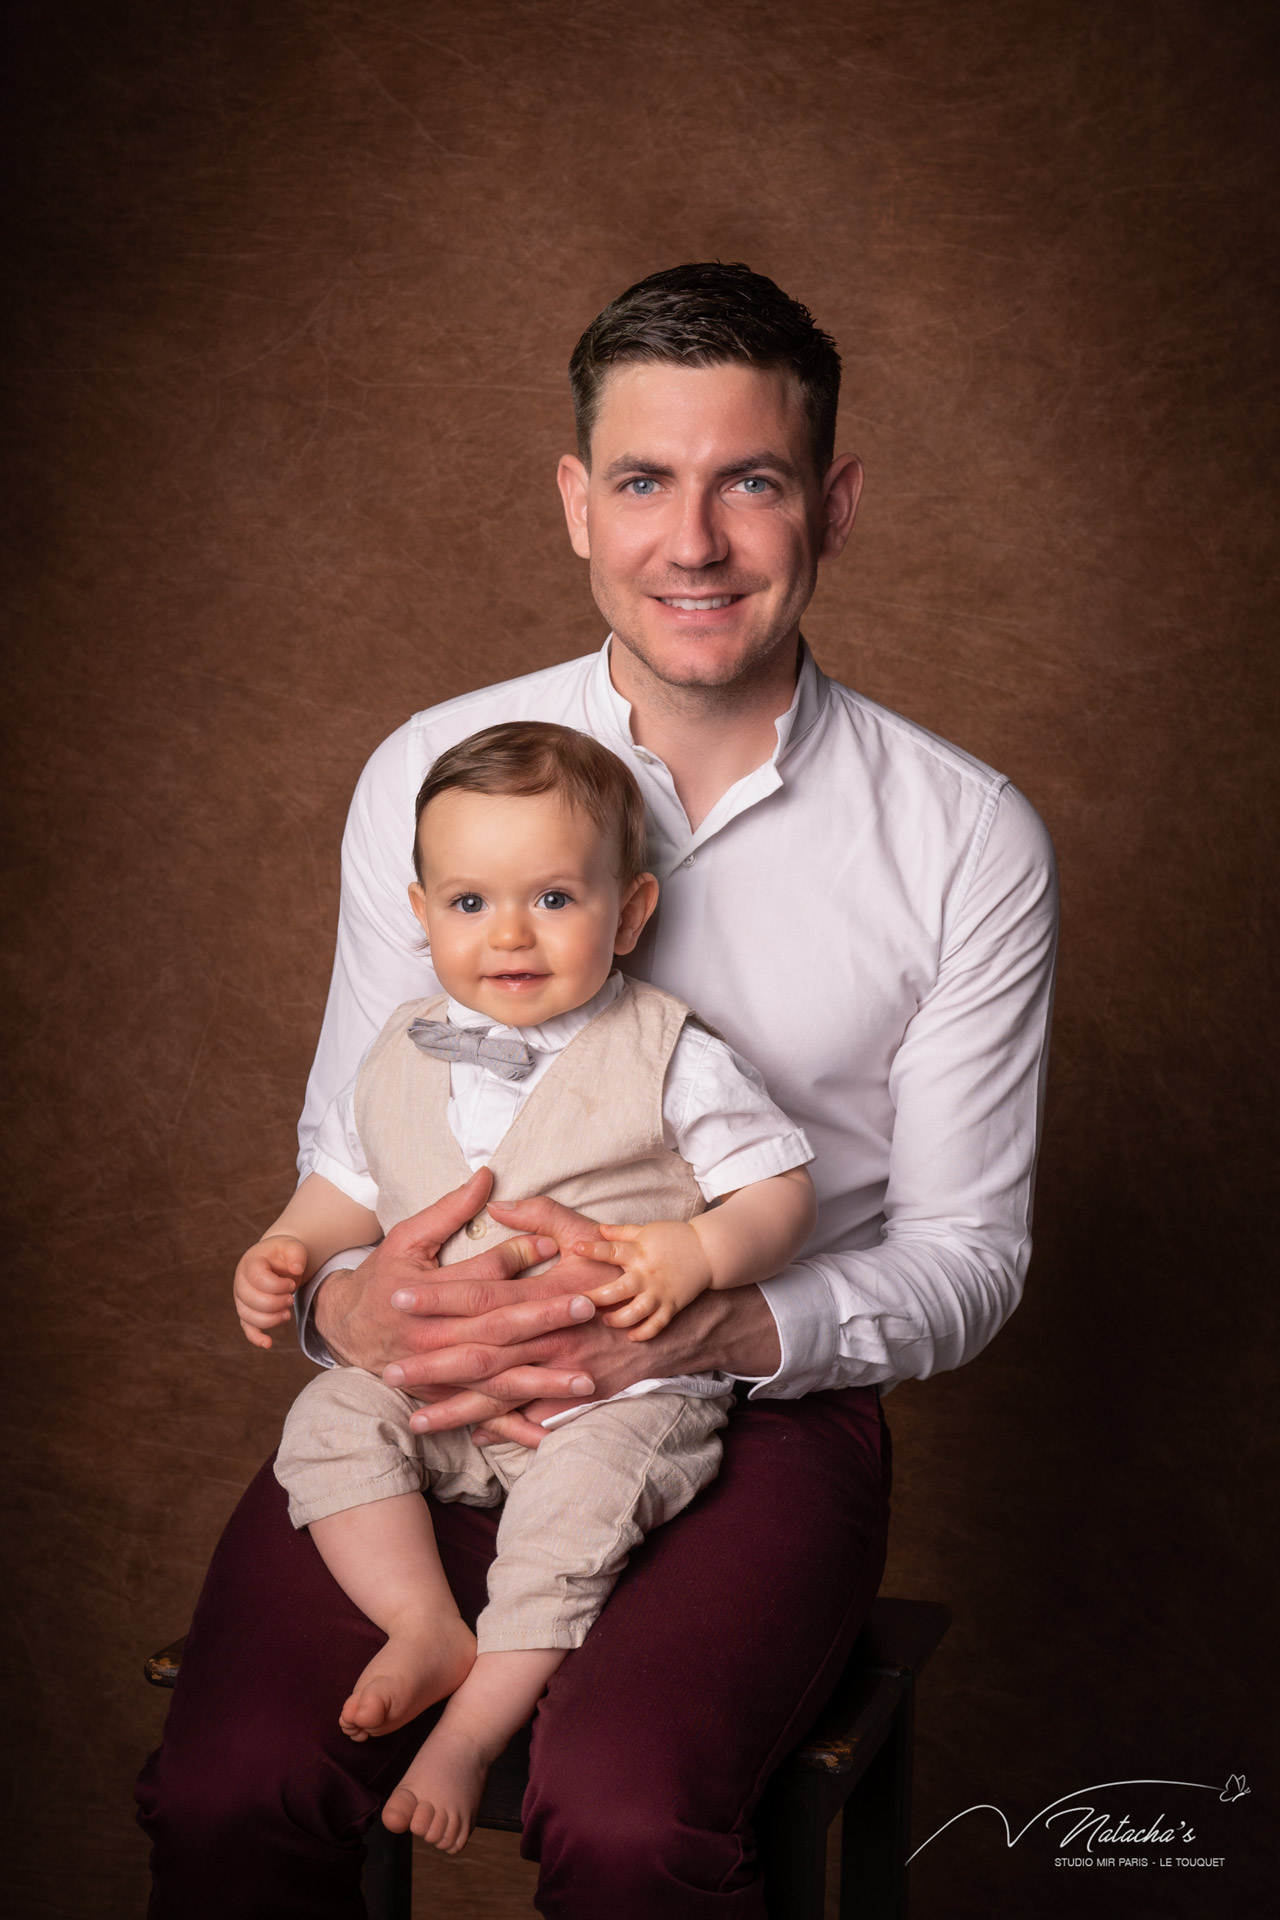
[(537, 883)]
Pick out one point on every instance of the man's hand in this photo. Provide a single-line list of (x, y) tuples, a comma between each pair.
[(468, 1385), (399, 1302)]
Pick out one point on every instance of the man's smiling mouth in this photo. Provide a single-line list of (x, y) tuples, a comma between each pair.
[(699, 606)]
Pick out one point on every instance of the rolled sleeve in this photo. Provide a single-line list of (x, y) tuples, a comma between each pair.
[(761, 1162), (720, 1119), (360, 1187), (337, 1152)]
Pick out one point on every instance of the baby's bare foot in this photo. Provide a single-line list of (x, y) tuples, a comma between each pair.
[(440, 1794), (420, 1664)]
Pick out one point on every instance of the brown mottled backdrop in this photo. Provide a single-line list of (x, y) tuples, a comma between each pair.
[(293, 290)]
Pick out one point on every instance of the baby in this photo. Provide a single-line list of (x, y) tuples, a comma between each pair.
[(543, 1063)]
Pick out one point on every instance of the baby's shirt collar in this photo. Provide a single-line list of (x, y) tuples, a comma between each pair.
[(554, 1035)]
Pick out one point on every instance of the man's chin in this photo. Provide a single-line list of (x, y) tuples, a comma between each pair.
[(700, 661)]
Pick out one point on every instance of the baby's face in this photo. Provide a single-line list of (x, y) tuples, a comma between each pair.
[(522, 904)]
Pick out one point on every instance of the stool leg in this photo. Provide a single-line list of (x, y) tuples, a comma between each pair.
[(876, 1829), (791, 1832), (387, 1881)]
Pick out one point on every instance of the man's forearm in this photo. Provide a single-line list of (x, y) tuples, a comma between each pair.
[(330, 1305), (731, 1332)]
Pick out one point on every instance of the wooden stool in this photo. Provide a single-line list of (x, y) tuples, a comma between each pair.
[(856, 1760)]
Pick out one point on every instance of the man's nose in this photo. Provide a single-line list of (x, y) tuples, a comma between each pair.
[(698, 537)]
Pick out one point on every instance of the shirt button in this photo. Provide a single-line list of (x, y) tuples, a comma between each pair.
[(689, 861), (477, 1228)]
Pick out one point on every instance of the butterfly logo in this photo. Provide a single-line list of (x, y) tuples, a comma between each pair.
[(1235, 1789)]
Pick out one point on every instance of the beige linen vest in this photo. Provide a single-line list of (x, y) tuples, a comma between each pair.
[(589, 1135)]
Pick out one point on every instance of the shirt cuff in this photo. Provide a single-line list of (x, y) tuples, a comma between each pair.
[(304, 1300), (805, 1316)]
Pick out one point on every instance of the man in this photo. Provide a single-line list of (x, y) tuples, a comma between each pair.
[(869, 915)]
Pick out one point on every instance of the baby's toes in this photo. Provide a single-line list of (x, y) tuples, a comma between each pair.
[(432, 1823), (400, 1811), (454, 1837)]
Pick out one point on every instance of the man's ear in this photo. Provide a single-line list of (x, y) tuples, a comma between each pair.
[(572, 478), (418, 901), (840, 493), (638, 903)]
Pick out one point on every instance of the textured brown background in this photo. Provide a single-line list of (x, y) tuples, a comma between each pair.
[(295, 285)]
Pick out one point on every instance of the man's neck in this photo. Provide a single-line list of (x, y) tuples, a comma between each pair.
[(709, 738)]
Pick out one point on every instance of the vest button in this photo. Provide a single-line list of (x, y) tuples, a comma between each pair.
[(477, 1228)]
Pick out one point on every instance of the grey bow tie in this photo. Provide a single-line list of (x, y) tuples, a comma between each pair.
[(509, 1059)]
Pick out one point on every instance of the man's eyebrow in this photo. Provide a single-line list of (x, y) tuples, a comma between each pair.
[(777, 462), (634, 463)]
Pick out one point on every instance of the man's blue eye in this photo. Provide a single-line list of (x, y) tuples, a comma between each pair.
[(469, 903), (554, 899), (642, 486), (754, 483)]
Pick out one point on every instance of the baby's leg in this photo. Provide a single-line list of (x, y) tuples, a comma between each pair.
[(354, 1474), (575, 1509), (384, 1557), (440, 1794)]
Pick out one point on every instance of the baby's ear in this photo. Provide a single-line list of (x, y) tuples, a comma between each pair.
[(418, 901), (638, 902)]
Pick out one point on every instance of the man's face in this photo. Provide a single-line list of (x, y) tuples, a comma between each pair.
[(703, 517)]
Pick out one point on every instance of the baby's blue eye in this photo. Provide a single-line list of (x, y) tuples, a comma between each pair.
[(469, 903), (554, 899)]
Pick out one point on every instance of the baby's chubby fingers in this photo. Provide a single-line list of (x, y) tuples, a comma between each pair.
[(642, 1307), (662, 1316), (264, 1299), (611, 1253), (254, 1335), (270, 1315), (613, 1292), (271, 1269)]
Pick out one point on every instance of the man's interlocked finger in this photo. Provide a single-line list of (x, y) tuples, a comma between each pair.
[(464, 1361)]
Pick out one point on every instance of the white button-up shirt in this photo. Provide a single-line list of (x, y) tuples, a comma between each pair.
[(870, 917)]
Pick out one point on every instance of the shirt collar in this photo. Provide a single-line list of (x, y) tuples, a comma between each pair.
[(554, 1035), (671, 840), (608, 707)]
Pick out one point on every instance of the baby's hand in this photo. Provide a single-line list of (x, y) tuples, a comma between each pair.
[(266, 1281), (663, 1269)]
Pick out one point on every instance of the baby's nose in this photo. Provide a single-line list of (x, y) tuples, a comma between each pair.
[(510, 930)]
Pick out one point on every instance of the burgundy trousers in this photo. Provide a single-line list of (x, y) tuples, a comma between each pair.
[(715, 1653)]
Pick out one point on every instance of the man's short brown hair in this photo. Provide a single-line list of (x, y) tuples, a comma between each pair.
[(535, 756), (705, 315)]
